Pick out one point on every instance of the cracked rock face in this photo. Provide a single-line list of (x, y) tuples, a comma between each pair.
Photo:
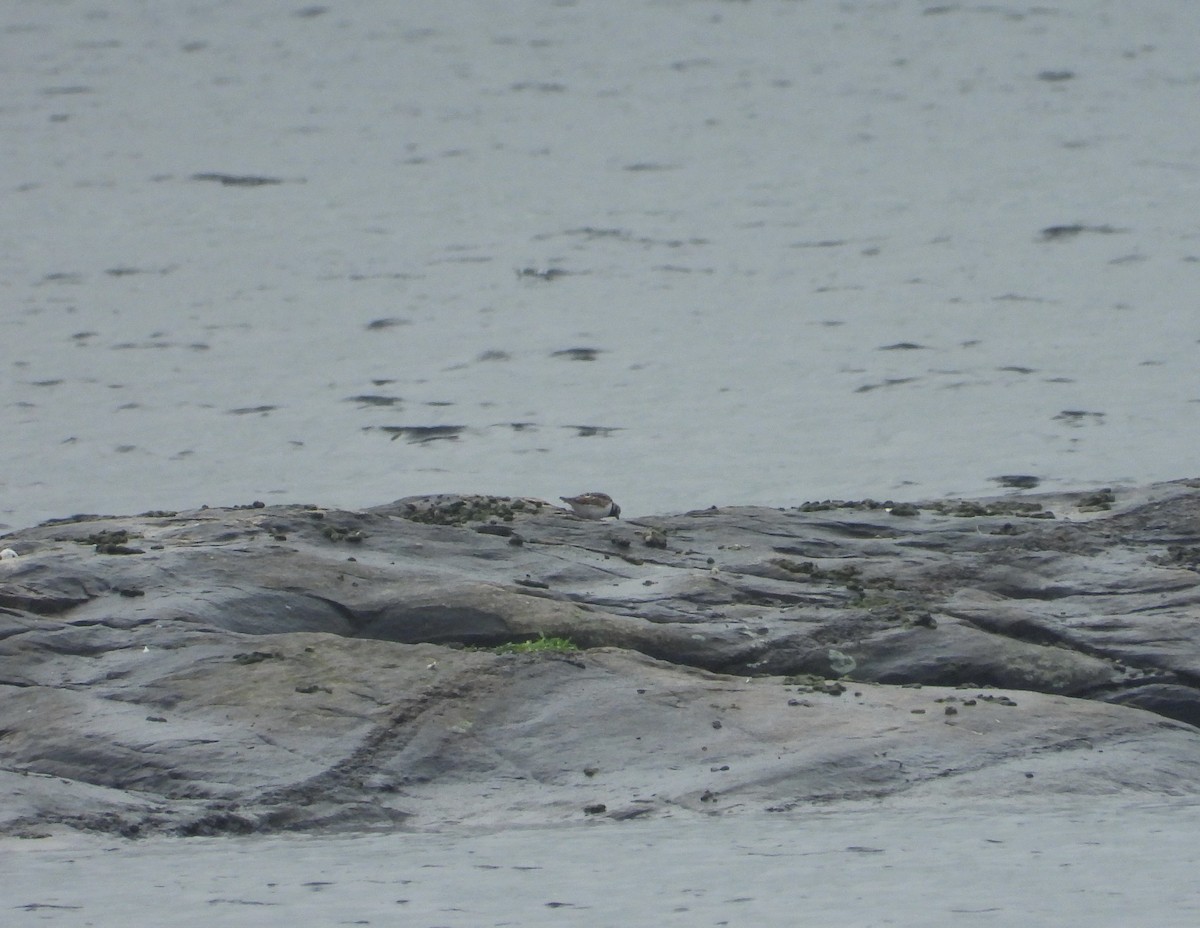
[(292, 667)]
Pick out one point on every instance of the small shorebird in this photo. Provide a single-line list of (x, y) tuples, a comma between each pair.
[(592, 505)]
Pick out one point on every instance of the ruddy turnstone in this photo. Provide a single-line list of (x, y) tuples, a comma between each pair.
[(592, 505)]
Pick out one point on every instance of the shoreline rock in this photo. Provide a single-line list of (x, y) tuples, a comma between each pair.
[(291, 667)]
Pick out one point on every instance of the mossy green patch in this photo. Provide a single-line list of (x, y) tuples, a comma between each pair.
[(539, 644), (461, 510)]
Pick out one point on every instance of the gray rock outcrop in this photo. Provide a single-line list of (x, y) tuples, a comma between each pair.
[(259, 668)]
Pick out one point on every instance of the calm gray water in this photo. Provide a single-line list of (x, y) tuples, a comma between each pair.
[(688, 253), (1107, 864)]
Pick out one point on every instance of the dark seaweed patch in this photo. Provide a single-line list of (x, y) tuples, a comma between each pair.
[(371, 399), (1018, 481), (593, 431), (577, 354), (422, 434), (238, 180), (251, 410)]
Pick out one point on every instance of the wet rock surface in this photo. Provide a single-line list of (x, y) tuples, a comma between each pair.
[(293, 667)]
